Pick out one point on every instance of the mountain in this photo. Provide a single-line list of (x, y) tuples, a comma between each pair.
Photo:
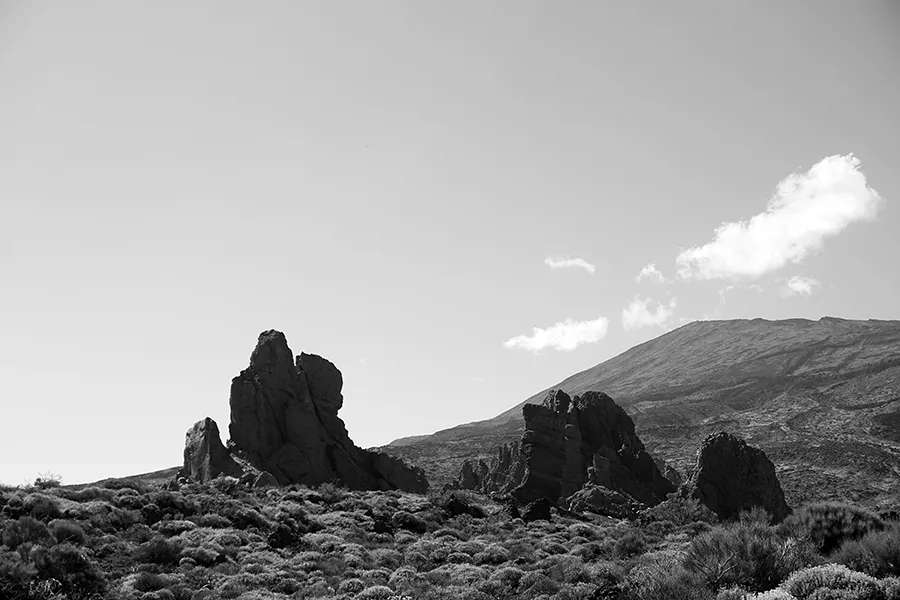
[(821, 398)]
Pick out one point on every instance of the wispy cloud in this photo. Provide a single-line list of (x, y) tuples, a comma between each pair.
[(805, 209), (752, 286), (639, 313), (566, 335), (800, 286), (650, 273), (569, 263)]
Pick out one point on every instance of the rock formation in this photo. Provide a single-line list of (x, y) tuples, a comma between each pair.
[(570, 442), (285, 428), (730, 476), (205, 457), (603, 501)]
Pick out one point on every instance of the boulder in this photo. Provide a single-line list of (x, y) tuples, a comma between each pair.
[(602, 501), (729, 476), (205, 457), (285, 429)]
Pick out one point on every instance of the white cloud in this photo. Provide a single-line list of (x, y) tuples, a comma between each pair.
[(566, 335), (569, 263), (639, 314), (652, 273), (805, 209), (800, 286)]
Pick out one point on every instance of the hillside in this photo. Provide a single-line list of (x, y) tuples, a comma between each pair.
[(822, 398)]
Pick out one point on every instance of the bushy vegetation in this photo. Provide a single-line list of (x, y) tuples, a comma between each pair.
[(223, 540), (829, 524)]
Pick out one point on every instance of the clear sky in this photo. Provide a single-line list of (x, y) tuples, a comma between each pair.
[(452, 201)]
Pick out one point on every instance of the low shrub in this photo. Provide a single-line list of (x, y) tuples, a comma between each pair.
[(876, 553), (24, 530), (664, 580), (632, 543), (404, 520), (67, 531), (127, 484), (41, 506), (16, 575), (87, 494), (331, 493), (829, 524), (151, 582), (68, 565), (749, 554), (376, 592), (680, 512), (820, 583), (46, 481), (212, 520), (173, 503), (159, 551), (733, 593)]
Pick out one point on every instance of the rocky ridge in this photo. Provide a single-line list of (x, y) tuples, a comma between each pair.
[(821, 398)]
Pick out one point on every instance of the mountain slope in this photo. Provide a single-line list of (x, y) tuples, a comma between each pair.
[(822, 398)]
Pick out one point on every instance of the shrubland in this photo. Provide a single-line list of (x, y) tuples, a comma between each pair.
[(221, 540)]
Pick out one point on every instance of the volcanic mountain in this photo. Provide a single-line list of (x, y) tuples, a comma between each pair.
[(821, 398)]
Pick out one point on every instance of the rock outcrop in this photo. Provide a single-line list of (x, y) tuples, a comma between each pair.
[(730, 476), (603, 501), (205, 457), (284, 424), (568, 443)]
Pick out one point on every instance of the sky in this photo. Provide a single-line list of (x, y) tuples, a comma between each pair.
[(459, 204)]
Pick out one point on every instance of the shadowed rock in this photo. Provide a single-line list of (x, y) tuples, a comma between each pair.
[(205, 457), (285, 428), (730, 476), (539, 510), (602, 501), (567, 444)]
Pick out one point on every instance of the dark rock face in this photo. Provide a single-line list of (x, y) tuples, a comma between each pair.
[(473, 476), (539, 510), (730, 476), (502, 476), (669, 472), (567, 444), (205, 457), (456, 506), (543, 450), (285, 428)]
